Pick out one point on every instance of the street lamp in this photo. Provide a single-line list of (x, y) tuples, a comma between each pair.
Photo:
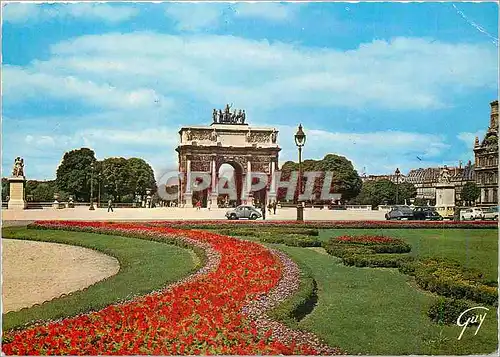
[(99, 194), (300, 140), (397, 184), (91, 208)]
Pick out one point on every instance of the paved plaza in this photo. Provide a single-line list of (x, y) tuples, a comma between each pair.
[(170, 213)]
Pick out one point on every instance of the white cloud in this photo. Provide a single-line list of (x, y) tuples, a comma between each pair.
[(43, 152), (19, 13), (20, 84), (372, 152), (267, 11), (207, 16), (40, 140), (194, 16), (151, 137), (468, 138), (130, 80), (401, 74)]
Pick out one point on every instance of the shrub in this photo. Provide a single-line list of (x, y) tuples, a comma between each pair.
[(376, 260), (299, 304), (446, 311), (340, 246), (293, 240), (369, 251), (343, 250), (450, 279), (378, 244)]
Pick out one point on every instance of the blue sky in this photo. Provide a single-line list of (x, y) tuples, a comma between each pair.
[(380, 83)]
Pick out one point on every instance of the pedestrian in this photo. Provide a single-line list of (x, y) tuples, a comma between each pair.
[(198, 205), (209, 204), (269, 206), (110, 205), (274, 207), (263, 209)]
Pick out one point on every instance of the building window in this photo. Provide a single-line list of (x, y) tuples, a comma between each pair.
[(486, 197), (495, 195)]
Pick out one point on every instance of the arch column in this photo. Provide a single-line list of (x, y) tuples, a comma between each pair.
[(248, 193), (213, 188), (188, 196), (272, 185)]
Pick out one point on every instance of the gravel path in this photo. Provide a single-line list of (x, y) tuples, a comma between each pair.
[(34, 272)]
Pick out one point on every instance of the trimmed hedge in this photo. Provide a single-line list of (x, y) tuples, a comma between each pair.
[(292, 240), (450, 279), (376, 260), (329, 224), (253, 232), (295, 308), (446, 311), (369, 251)]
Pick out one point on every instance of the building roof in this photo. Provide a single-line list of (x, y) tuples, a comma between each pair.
[(431, 174)]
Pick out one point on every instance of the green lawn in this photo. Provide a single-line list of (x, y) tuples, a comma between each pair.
[(144, 266), (381, 311), (473, 248)]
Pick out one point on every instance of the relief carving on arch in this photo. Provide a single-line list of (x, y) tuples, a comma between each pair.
[(260, 167), (258, 137), (202, 157), (262, 159), (202, 166), (202, 135)]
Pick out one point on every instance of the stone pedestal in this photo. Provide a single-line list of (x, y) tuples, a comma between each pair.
[(188, 200), (445, 195), (213, 200), (16, 193)]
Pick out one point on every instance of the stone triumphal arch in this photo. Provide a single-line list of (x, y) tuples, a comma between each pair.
[(228, 140)]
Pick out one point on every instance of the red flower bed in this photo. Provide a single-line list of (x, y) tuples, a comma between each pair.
[(331, 224), (200, 316)]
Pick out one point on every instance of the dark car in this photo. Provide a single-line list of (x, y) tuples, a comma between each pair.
[(426, 214), (400, 212), (243, 212)]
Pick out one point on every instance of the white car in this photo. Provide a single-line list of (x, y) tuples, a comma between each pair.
[(471, 214), (490, 213)]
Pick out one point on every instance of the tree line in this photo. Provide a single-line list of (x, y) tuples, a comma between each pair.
[(117, 178), (124, 179)]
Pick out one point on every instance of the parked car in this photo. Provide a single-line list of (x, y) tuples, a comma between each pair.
[(399, 212), (447, 212), (471, 214), (426, 214), (243, 211), (490, 213)]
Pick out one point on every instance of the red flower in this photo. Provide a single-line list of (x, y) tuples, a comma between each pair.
[(202, 315)]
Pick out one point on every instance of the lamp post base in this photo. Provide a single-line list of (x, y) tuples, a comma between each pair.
[(300, 212)]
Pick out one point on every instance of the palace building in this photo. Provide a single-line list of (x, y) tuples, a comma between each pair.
[(426, 180), (486, 161)]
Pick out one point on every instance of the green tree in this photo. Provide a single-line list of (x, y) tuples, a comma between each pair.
[(74, 173), (376, 193), (406, 191), (470, 192), (345, 179), (116, 177), (41, 191), (141, 177), (5, 189)]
